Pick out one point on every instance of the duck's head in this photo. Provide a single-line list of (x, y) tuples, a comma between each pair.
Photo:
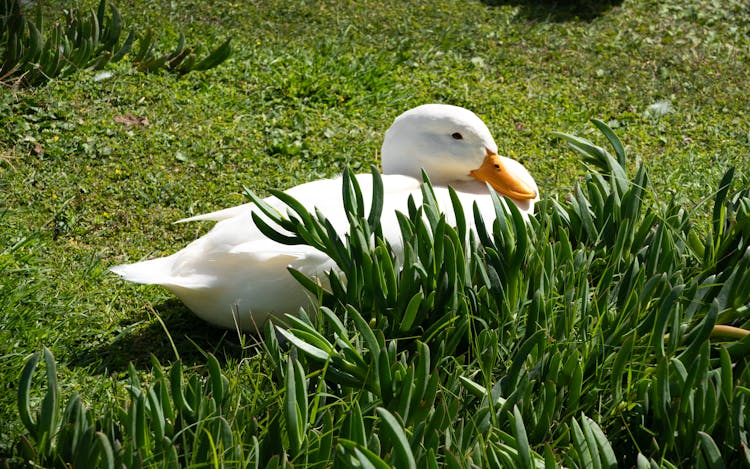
[(452, 145)]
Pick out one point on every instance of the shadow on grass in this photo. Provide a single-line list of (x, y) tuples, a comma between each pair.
[(558, 11), (136, 343)]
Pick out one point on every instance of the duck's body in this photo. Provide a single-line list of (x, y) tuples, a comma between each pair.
[(235, 276)]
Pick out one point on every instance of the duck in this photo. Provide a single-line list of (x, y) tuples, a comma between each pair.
[(235, 277)]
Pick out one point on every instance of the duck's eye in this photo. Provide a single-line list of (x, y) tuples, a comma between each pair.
[(457, 136)]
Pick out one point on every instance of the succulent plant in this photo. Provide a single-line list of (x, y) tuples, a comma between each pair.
[(84, 40)]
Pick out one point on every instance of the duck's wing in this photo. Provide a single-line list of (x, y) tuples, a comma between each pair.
[(235, 244), (308, 194), (325, 194)]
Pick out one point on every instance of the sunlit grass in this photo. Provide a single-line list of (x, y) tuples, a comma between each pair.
[(310, 89), (571, 338)]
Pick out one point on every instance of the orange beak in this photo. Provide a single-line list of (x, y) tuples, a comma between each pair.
[(494, 172)]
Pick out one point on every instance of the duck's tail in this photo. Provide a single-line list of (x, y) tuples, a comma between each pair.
[(161, 271), (155, 271)]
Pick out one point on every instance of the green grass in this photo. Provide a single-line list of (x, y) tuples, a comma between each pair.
[(310, 89)]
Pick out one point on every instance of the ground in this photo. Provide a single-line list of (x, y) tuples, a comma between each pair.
[(95, 168)]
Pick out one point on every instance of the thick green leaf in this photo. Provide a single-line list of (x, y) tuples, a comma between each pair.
[(524, 451), (305, 347), (24, 389), (613, 140), (393, 431), (217, 56), (411, 312), (710, 451), (295, 405)]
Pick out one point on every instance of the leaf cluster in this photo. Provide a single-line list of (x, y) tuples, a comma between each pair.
[(84, 40), (181, 61), (606, 330), (175, 421)]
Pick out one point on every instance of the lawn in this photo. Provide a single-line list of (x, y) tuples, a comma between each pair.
[(95, 168)]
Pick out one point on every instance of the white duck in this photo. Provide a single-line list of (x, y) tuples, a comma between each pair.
[(234, 276)]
